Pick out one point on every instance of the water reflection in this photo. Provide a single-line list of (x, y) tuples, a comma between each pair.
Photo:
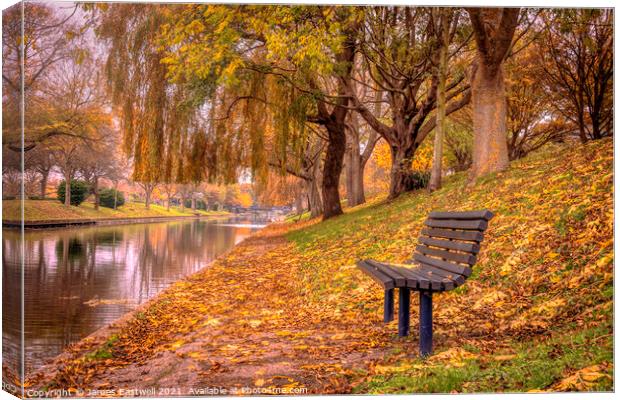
[(80, 279)]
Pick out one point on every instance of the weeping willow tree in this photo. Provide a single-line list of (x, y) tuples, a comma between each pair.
[(279, 66), (226, 89)]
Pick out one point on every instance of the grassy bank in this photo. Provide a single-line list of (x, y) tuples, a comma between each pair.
[(288, 308), (48, 210)]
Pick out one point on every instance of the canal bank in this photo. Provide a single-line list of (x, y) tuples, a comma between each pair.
[(41, 214), (61, 223)]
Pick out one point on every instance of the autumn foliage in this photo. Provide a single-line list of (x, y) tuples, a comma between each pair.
[(289, 309)]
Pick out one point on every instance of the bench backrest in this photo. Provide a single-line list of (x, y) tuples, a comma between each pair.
[(452, 239)]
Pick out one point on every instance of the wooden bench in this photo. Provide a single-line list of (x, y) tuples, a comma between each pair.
[(442, 261)]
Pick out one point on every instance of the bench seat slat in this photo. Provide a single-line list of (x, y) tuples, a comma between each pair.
[(451, 256), (478, 214), (477, 224), (458, 235), (413, 282), (438, 281), (399, 279), (423, 277), (376, 275), (420, 280), (450, 267), (458, 279), (450, 245)]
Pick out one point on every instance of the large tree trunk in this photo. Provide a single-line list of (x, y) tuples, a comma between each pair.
[(332, 169), (490, 151), (354, 170), (44, 177), (314, 198), (147, 202), (401, 172), (493, 30), (67, 187), (168, 202), (299, 208), (96, 191)]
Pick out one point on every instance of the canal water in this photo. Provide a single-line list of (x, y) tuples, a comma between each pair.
[(78, 280)]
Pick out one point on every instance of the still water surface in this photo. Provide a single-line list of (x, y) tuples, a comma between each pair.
[(80, 279)]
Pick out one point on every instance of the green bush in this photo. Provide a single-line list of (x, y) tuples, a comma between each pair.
[(79, 192), (418, 180), (106, 198)]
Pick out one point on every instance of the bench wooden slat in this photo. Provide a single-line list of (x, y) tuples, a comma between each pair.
[(450, 267), (423, 282), (376, 275), (458, 279), (451, 256), (451, 245), (458, 235), (478, 214), (477, 225), (437, 281), (412, 282), (399, 279)]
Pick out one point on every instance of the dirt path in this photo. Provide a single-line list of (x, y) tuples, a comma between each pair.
[(242, 323)]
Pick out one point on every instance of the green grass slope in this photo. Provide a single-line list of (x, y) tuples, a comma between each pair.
[(537, 312)]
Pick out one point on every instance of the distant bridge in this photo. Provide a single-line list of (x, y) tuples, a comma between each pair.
[(256, 210)]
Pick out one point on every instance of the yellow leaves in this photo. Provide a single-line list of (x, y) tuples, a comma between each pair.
[(604, 261), (505, 357), (339, 336), (391, 369), (212, 322), (491, 297), (255, 323), (510, 263), (549, 308), (195, 27), (259, 382), (454, 357), (552, 255), (177, 344), (584, 379)]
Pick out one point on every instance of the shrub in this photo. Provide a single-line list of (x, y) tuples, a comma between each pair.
[(106, 198), (418, 180), (79, 192)]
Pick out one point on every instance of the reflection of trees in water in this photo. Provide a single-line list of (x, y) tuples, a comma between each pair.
[(12, 345), (66, 268)]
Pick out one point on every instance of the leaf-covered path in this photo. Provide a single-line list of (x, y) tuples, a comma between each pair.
[(242, 322), (287, 308)]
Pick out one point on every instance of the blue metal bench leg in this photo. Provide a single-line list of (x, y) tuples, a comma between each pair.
[(403, 311), (388, 306), (426, 323)]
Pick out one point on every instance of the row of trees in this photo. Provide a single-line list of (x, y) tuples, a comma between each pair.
[(305, 97), (306, 90)]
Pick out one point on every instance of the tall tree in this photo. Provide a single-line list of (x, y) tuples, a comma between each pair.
[(49, 38), (577, 52), (400, 49), (294, 63), (445, 19), (494, 29)]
